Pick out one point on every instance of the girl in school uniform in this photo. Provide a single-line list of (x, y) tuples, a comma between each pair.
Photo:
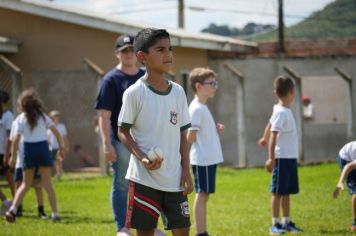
[(32, 125)]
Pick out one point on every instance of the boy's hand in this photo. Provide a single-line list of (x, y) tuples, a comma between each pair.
[(262, 142), (109, 152), (337, 190), (12, 162), (270, 163), (186, 182), (61, 154), (220, 127), (152, 165)]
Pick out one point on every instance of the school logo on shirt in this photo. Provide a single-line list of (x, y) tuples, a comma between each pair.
[(174, 117), (184, 206)]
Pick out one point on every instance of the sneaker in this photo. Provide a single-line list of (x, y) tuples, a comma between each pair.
[(124, 232), (19, 211), (276, 229), (291, 227), (41, 213), (353, 227), (10, 216), (56, 218)]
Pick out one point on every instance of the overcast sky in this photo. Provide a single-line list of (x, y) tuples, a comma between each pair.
[(235, 13)]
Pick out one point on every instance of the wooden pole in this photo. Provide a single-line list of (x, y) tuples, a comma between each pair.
[(241, 123), (299, 110)]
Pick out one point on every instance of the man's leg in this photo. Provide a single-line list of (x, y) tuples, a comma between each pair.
[(120, 184)]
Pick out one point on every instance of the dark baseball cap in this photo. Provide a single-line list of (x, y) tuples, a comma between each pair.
[(124, 41)]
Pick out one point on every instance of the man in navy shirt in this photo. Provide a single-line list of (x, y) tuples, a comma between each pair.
[(108, 104)]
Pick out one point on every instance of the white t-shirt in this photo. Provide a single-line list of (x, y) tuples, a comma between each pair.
[(283, 122), (155, 119), (53, 144), (20, 153), (206, 150), (348, 151), (39, 132), (5, 126)]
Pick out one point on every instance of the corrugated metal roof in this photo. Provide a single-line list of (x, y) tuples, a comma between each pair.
[(180, 38)]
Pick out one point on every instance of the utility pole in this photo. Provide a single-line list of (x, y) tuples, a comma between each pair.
[(181, 14), (281, 49)]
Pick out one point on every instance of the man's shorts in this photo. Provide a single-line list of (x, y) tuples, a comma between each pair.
[(146, 204), (285, 177), (3, 168), (19, 174), (351, 178), (36, 155), (204, 178)]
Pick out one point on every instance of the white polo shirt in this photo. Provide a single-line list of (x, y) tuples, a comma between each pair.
[(155, 119), (206, 150), (38, 133), (5, 126), (282, 121), (348, 151)]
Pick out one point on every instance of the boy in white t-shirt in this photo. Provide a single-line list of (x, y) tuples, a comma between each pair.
[(347, 162), (282, 156), (205, 152), (155, 114)]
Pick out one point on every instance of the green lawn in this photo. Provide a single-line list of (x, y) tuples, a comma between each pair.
[(241, 205)]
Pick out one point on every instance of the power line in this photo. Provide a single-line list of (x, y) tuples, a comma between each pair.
[(199, 8)]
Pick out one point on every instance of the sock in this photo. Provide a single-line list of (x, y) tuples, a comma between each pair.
[(13, 209), (275, 220), (285, 220)]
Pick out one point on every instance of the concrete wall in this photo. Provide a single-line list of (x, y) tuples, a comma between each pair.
[(51, 58), (322, 141)]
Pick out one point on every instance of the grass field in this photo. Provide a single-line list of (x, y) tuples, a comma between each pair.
[(241, 205)]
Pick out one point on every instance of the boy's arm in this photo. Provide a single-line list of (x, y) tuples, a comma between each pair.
[(186, 179), (59, 140), (263, 140), (345, 172), (126, 138), (271, 151), (105, 130), (191, 135), (66, 144), (7, 149)]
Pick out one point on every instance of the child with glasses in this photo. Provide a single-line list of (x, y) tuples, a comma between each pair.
[(205, 152)]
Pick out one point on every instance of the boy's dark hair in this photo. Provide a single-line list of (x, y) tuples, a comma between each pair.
[(283, 85), (199, 75), (148, 37)]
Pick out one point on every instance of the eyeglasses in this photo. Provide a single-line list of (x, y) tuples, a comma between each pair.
[(214, 84)]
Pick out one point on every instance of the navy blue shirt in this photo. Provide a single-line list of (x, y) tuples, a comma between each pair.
[(112, 87)]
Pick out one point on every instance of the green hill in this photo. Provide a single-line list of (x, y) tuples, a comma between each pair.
[(337, 19)]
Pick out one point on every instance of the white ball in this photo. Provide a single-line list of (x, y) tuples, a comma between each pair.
[(155, 153)]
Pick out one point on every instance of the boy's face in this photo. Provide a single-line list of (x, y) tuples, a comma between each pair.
[(126, 56), (159, 56), (208, 87)]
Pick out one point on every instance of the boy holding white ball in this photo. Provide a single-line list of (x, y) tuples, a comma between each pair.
[(205, 152), (152, 124)]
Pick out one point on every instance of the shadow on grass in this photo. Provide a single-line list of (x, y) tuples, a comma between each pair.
[(335, 231)]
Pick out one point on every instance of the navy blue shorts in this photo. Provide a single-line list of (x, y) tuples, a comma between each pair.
[(285, 177), (19, 174), (351, 178), (204, 178), (36, 155)]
